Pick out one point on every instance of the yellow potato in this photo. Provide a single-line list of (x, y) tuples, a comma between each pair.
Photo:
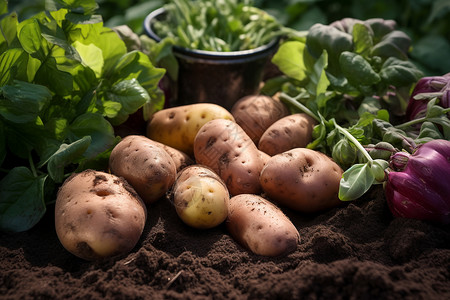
[(200, 197), (178, 126), (98, 215)]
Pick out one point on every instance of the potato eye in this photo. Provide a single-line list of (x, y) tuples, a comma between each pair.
[(102, 193)]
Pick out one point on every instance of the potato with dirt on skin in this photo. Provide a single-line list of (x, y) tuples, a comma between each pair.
[(178, 126), (302, 179), (255, 113), (146, 166), (200, 197), (260, 226), (293, 131), (98, 215), (223, 146)]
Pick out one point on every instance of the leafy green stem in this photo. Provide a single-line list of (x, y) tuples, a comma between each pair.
[(299, 106), (352, 139), (418, 120), (32, 167)]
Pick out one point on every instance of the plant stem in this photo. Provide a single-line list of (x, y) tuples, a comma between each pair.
[(299, 105), (32, 167), (410, 123), (352, 139), (417, 121)]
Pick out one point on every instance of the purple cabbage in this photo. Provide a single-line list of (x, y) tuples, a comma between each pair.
[(418, 186), (426, 89)]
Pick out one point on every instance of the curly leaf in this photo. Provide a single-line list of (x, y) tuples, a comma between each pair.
[(399, 72), (322, 37), (393, 44), (357, 70), (380, 27)]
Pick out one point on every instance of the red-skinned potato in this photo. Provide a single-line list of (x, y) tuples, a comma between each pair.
[(265, 157), (98, 215), (200, 197), (223, 146), (177, 126), (260, 226), (255, 113), (302, 179), (293, 131), (147, 167)]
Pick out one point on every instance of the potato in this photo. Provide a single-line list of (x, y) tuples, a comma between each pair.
[(302, 179), (177, 126), (200, 197), (223, 146), (148, 168), (98, 215), (293, 131), (255, 113), (260, 226), (181, 159), (265, 157)]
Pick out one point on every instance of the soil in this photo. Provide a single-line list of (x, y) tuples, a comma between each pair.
[(356, 251)]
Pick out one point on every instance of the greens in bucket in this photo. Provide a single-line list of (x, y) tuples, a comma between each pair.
[(221, 26)]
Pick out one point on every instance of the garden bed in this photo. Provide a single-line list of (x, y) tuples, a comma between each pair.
[(356, 251)]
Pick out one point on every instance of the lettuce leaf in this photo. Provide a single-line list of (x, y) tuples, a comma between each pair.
[(65, 81)]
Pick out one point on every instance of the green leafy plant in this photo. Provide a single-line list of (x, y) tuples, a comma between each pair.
[(354, 78), (65, 81), (225, 25), (425, 21)]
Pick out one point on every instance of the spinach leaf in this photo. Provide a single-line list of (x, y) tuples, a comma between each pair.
[(22, 202), (65, 155), (65, 80), (357, 70), (23, 102)]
